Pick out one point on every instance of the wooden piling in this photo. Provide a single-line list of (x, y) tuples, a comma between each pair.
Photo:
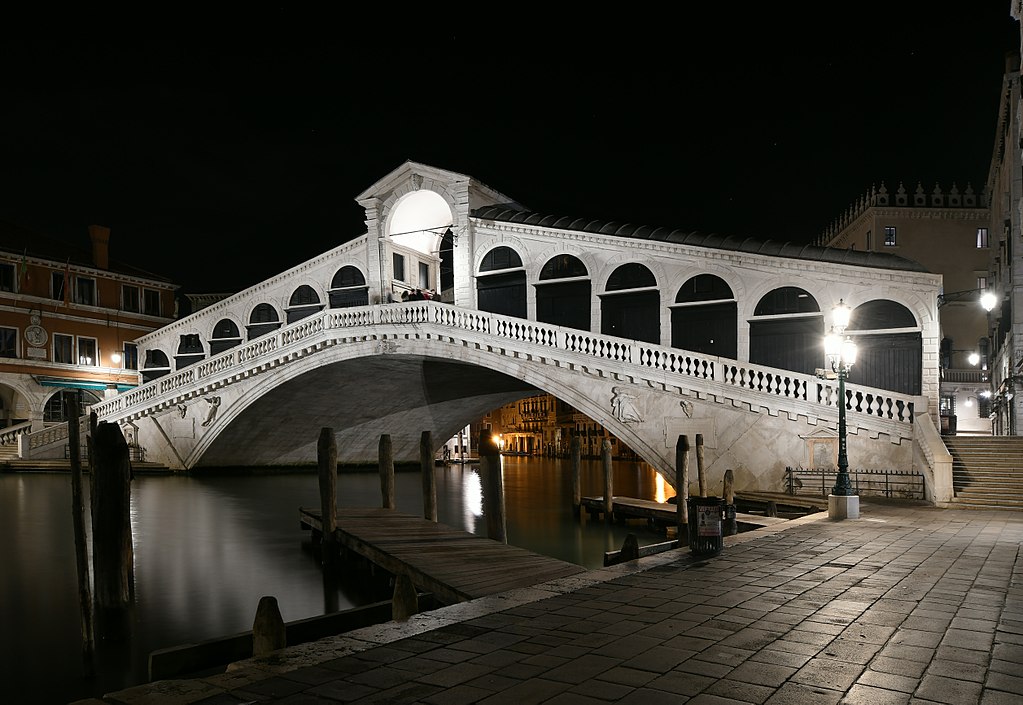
[(113, 555), (268, 630), (577, 495), (728, 493), (605, 457), (700, 472), (81, 546), (682, 488), (426, 464), (493, 487), (326, 459), (385, 460), (405, 601)]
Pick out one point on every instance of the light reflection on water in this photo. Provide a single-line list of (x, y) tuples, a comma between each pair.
[(207, 548)]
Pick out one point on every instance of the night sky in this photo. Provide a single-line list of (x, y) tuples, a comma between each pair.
[(218, 160)]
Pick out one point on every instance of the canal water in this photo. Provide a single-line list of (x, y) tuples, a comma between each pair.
[(208, 547)]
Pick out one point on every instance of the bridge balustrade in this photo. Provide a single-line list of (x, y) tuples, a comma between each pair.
[(490, 327)]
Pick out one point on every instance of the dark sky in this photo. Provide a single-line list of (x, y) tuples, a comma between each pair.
[(220, 159)]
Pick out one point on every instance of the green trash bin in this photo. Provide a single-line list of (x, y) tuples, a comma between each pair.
[(705, 517)]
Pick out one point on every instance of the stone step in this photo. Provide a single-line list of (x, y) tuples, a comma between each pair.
[(986, 504)]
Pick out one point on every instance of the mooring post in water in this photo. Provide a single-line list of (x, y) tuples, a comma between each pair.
[(268, 630), (682, 488), (728, 493), (405, 601), (701, 475), (577, 495), (493, 487), (385, 456), (326, 462), (429, 479), (81, 546), (113, 555), (605, 456)]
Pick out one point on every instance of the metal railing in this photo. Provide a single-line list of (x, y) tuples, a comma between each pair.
[(818, 482)]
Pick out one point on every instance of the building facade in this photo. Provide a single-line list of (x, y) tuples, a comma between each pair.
[(68, 320), (948, 231), (1006, 261)]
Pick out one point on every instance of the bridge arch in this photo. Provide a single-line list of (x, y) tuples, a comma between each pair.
[(348, 287), (564, 292), (890, 346), (415, 222), (156, 364), (358, 426), (787, 330), (704, 317), (305, 300), (225, 335), (501, 282), (630, 303), (263, 318)]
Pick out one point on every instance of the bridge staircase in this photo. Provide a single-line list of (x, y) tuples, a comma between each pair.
[(987, 471)]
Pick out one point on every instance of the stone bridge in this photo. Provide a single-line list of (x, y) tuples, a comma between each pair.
[(697, 334)]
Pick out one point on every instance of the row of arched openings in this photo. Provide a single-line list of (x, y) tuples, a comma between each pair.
[(347, 288), (786, 331)]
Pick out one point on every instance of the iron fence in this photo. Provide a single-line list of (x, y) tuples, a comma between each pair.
[(818, 482)]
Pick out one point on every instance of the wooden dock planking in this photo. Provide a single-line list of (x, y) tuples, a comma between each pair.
[(452, 564), (635, 508)]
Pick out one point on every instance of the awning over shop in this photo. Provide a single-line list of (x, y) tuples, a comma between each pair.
[(70, 383)]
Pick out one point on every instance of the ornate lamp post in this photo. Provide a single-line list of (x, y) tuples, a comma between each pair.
[(841, 355)]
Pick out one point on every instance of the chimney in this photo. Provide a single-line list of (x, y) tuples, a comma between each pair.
[(100, 237)]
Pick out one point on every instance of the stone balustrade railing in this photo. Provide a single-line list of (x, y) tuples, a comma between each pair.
[(670, 367), (9, 435)]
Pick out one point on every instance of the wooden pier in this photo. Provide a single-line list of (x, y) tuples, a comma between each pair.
[(453, 565)]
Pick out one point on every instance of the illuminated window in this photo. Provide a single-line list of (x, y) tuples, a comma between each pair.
[(981, 238), (87, 352), (889, 235)]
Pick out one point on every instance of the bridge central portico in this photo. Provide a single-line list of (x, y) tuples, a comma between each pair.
[(650, 332)]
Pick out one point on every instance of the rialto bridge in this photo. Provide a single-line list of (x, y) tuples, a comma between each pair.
[(651, 332)]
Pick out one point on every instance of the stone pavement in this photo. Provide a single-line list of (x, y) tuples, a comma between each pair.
[(907, 604)]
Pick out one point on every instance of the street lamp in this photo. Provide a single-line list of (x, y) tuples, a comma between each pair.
[(988, 299), (840, 351)]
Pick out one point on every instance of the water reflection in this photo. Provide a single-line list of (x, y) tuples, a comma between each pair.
[(207, 548)]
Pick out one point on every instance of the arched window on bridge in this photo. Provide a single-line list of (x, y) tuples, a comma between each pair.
[(787, 331), (501, 283), (304, 302), (631, 305), (889, 346), (55, 409), (156, 365), (563, 293), (225, 336), (190, 351), (704, 317), (348, 288), (263, 320)]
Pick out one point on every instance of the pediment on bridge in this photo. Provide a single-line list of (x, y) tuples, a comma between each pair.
[(415, 175), (820, 434)]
